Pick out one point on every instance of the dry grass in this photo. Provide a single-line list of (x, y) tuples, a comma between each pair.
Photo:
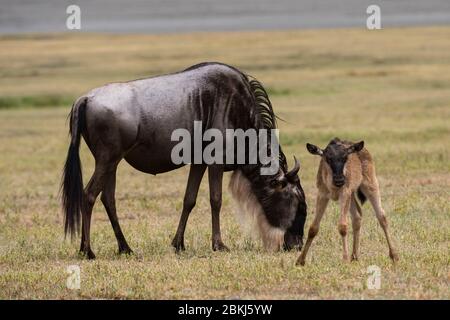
[(389, 87)]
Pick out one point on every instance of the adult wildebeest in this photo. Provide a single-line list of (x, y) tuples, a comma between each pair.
[(346, 171), (134, 121)]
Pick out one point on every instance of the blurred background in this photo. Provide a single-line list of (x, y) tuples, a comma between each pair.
[(157, 16)]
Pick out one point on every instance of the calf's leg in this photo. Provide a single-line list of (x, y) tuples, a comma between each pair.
[(374, 197), (344, 201), (321, 205), (355, 213)]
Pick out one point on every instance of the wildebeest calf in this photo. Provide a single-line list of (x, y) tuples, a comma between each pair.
[(346, 170)]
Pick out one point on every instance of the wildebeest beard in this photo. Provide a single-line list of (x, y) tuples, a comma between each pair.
[(274, 203)]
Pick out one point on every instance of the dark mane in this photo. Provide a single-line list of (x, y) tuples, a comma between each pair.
[(267, 118)]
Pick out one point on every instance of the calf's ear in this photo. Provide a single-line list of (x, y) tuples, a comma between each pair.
[(314, 149), (356, 147)]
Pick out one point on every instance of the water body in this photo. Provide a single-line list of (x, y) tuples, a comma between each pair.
[(160, 16)]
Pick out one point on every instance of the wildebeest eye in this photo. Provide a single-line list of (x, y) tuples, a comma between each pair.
[(278, 183), (294, 180)]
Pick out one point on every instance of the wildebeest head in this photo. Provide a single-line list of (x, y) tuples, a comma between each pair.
[(283, 202), (335, 155)]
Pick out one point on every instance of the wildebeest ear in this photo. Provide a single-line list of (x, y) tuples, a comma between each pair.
[(314, 149), (356, 147)]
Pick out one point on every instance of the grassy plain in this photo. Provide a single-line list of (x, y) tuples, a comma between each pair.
[(389, 87)]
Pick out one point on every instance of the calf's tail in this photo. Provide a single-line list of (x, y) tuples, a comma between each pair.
[(361, 196)]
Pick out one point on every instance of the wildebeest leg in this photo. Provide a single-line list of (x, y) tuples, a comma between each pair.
[(344, 200), (92, 190), (374, 197), (321, 205), (355, 212), (103, 169), (190, 196), (108, 200), (215, 175)]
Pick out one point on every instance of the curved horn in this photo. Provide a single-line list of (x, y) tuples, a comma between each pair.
[(294, 170)]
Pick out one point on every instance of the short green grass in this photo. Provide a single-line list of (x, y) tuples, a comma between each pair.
[(389, 87)]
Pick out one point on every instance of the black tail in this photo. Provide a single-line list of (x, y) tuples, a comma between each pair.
[(72, 180), (362, 198)]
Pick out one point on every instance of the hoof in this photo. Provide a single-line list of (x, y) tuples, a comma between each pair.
[(88, 254), (354, 258), (394, 256), (126, 251), (219, 246), (178, 245), (300, 262)]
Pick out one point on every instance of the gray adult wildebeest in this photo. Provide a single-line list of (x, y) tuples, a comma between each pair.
[(134, 121)]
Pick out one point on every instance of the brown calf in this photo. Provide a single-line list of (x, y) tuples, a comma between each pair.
[(346, 170)]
